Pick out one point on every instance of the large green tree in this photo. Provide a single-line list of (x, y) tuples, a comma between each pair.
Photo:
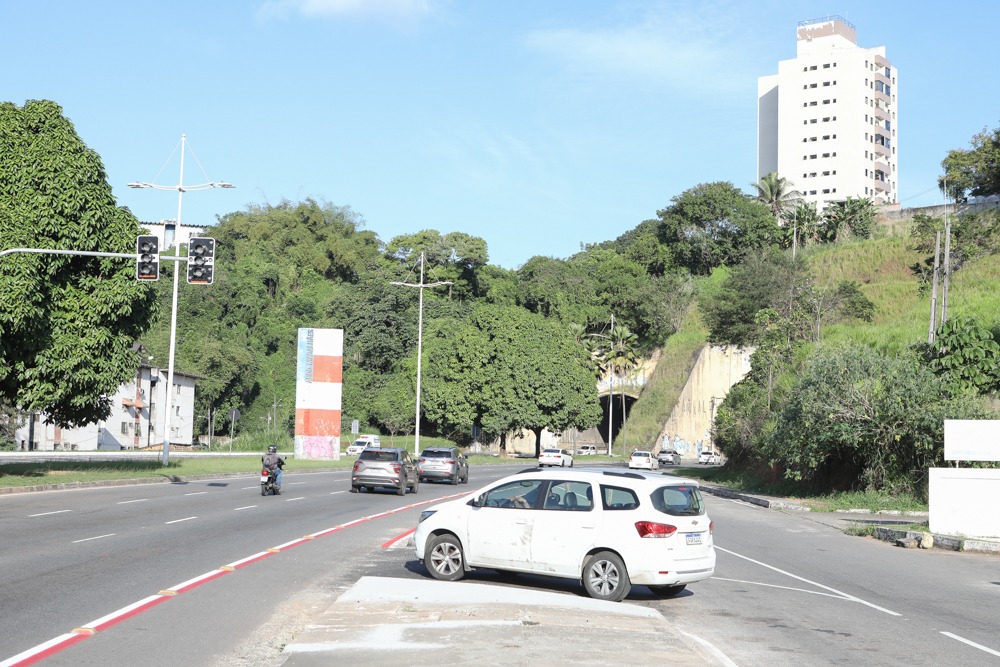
[(68, 322), (714, 224), (504, 369), (974, 171)]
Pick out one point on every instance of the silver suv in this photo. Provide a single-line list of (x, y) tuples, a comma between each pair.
[(386, 467), (445, 463)]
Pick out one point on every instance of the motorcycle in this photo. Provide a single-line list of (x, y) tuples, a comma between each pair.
[(269, 482)]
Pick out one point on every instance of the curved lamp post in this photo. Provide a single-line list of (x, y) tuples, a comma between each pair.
[(178, 240)]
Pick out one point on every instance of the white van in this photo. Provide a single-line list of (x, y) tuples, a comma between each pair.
[(363, 442)]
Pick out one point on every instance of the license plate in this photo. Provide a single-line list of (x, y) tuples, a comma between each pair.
[(693, 538), (263, 479)]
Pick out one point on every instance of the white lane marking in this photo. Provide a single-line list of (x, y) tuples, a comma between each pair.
[(87, 539), (722, 657), (195, 493), (288, 500), (250, 487), (245, 507), (48, 513), (333, 493), (811, 583), (126, 502), (787, 588), (972, 644), (179, 520)]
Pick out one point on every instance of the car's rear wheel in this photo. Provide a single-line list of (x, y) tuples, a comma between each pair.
[(416, 485), (667, 591), (444, 559), (401, 491), (355, 489), (454, 478), (605, 577)]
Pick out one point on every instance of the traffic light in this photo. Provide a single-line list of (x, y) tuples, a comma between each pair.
[(147, 258), (201, 260)]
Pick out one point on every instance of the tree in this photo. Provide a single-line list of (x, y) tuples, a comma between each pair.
[(974, 172), (505, 369), (764, 280), (804, 219), (859, 216), (863, 419), (778, 194), (69, 322), (715, 224), (966, 355)]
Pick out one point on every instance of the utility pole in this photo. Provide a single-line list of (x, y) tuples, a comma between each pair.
[(934, 286), (420, 340)]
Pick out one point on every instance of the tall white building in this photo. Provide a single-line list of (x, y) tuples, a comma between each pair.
[(827, 121)]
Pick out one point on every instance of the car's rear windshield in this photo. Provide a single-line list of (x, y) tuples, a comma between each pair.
[(436, 454), (378, 455), (678, 500)]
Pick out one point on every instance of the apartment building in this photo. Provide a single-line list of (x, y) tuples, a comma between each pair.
[(135, 422), (827, 121)]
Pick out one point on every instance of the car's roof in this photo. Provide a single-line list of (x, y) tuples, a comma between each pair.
[(607, 475)]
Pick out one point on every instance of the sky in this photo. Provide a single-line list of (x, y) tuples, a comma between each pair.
[(537, 125)]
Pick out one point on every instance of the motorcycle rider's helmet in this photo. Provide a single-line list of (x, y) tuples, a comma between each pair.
[(272, 449)]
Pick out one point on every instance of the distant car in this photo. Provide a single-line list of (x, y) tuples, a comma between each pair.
[(586, 450), (609, 529), (665, 457), (555, 457), (387, 467), (708, 458), (446, 463), (643, 460), (363, 442)]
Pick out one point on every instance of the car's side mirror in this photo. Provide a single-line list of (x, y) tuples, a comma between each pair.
[(478, 501)]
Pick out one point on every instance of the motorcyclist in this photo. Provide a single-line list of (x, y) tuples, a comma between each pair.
[(274, 464)]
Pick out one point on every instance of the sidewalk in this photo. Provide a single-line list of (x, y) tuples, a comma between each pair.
[(411, 622)]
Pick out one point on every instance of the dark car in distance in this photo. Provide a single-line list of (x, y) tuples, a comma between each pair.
[(386, 467), (443, 463)]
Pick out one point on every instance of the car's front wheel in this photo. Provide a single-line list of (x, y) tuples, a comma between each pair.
[(444, 559), (605, 577)]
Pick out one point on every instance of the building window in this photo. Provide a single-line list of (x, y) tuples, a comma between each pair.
[(826, 155), (826, 65), (124, 428), (826, 83), (812, 192), (812, 157), (826, 173), (138, 429), (826, 137)]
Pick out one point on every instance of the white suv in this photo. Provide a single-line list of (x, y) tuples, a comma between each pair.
[(607, 528)]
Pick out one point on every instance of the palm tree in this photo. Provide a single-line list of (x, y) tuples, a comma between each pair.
[(778, 194), (622, 358), (803, 217)]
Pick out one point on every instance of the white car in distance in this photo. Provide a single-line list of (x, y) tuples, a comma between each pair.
[(555, 457), (607, 528), (641, 460)]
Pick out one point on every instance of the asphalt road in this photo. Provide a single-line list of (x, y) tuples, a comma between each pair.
[(787, 590)]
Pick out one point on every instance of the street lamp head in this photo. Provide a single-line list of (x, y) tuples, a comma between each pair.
[(223, 184), (140, 185)]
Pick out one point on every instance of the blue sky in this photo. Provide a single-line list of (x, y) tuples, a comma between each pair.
[(536, 125)]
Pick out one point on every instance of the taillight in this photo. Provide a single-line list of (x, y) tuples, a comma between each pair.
[(421, 460), (397, 468), (711, 528), (357, 464), (653, 529), (451, 463)]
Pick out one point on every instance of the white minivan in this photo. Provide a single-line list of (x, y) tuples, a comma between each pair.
[(607, 528), (364, 441)]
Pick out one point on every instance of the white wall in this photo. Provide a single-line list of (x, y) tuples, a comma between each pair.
[(964, 502)]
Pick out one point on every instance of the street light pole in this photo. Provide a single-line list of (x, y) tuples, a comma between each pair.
[(420, 341), (178, 240)]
